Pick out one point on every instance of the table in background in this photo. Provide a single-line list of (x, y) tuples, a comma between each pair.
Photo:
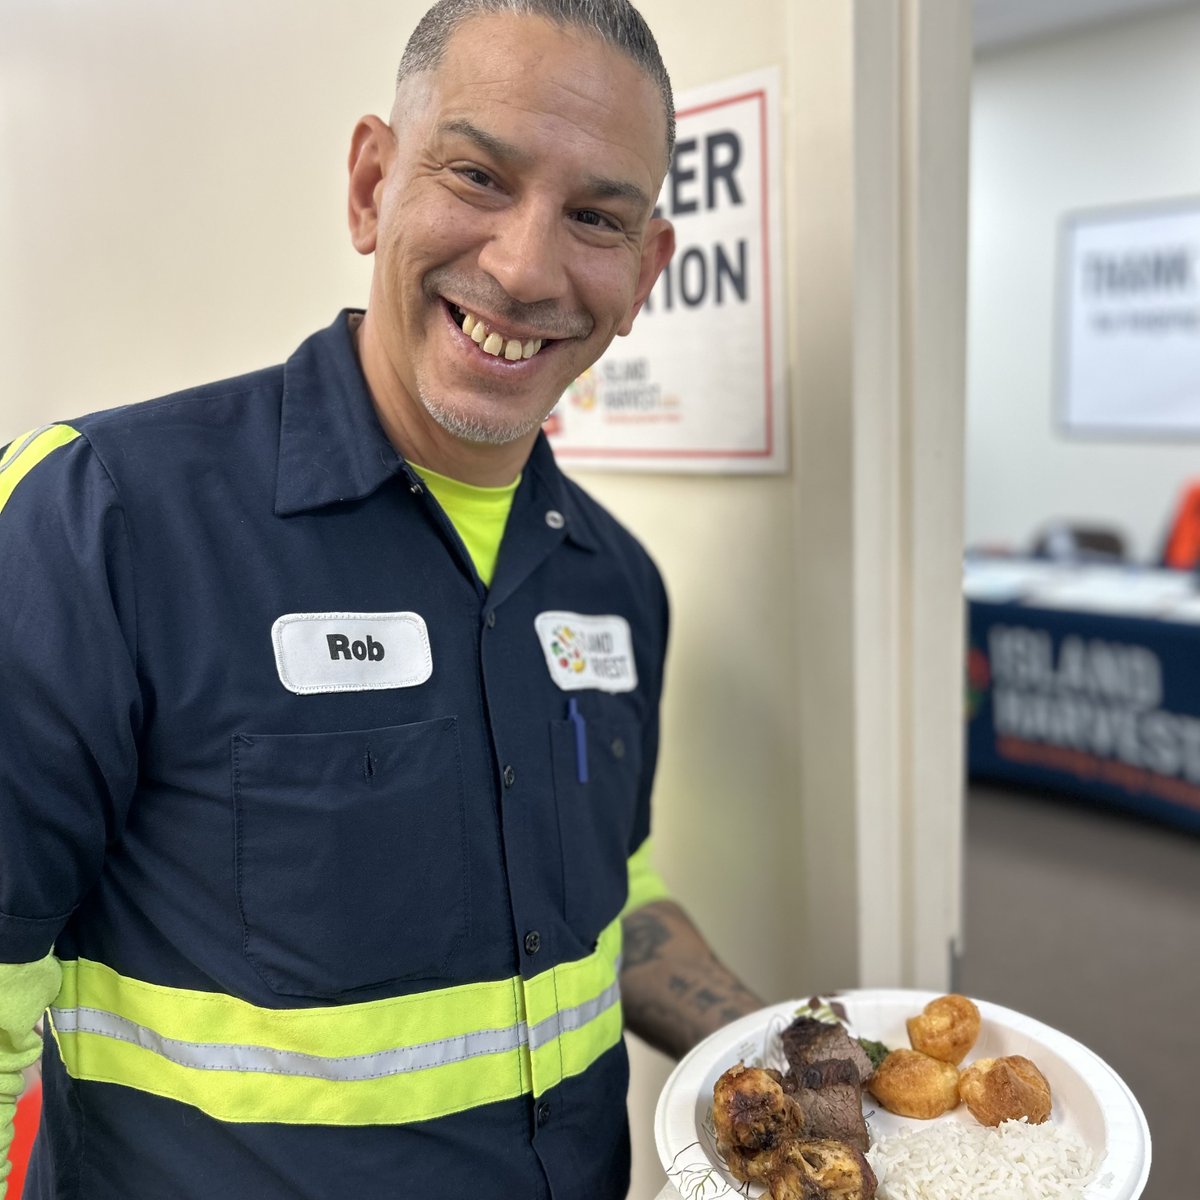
[(1086, 680)]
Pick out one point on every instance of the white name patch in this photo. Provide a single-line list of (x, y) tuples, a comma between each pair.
[(351, 652), (587, 652)]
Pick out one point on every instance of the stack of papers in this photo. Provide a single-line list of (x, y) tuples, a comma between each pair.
[(1003, 581), (1121, 590)]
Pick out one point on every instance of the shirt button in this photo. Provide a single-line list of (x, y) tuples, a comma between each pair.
[(555, 519), (510, 776), (543, 1113), (533, 942), (491, 619), (618, 747)]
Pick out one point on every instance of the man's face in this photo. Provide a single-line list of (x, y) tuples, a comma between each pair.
[(513, 235)]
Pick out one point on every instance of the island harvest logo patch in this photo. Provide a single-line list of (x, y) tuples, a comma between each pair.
[(584, 651), (566, 646)]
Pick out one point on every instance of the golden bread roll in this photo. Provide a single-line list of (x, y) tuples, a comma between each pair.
[(912, 1084), (946, 1029), (1005, 1089)]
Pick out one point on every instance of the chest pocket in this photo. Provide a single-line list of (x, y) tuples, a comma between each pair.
[(595, 817), (350, 856)]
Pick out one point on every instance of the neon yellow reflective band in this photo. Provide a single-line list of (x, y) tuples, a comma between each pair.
[(25, 452), (574, 1013), (383, 1062)]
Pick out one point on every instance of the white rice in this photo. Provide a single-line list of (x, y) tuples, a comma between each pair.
[(952, 1161)]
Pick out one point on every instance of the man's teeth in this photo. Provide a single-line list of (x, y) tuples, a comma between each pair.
[(495, 344)]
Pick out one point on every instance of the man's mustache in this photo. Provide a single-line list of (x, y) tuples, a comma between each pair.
[(480, 294)]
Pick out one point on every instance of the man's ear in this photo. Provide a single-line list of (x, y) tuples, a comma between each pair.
[(657, 248), (371, 151)]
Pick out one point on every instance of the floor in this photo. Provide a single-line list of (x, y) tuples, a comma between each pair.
[(1089, 920)]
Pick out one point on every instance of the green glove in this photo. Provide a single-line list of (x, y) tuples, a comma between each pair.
[(26, 990)]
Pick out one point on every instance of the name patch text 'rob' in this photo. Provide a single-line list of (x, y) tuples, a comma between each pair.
[(351, 652), (340, 646)]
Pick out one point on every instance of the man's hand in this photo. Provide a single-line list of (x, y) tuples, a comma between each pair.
[(674, 990)]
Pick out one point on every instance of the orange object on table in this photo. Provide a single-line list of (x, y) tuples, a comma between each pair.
[(25, 1127), (1183, 542)]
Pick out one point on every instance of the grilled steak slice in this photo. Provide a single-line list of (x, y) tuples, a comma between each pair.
[(827, 1073), (830, 1096), (807, 1040)]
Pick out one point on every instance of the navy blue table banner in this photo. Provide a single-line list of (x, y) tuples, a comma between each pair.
[(1099, 706)]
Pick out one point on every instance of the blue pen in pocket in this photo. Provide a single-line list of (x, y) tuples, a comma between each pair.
[(576, 719)]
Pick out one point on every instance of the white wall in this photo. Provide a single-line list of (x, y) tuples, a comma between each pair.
[(1109, 116)]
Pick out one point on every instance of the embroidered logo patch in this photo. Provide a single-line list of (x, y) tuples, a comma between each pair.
[(587, 651), (351, 652)]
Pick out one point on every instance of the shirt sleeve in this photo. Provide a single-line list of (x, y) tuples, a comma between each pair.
[(645, 883), (70, 704), (26, 990)]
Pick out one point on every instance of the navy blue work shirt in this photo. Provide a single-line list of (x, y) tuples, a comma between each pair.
[(192, 800)]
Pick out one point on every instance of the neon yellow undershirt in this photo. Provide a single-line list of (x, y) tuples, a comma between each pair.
[(479, 514)]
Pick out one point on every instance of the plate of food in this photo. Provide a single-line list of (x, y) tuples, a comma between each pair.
[(898, 1095)]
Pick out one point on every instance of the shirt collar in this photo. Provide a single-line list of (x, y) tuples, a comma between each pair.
[(331, 445), (550, 493), (333, 449)]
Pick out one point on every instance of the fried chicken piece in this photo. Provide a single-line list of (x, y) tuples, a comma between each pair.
[(760, 1132), (815, 1169), (752, 1114)]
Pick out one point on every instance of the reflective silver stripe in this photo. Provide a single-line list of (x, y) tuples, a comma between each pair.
[(219, 1056), (573, 1018), (28, 438)]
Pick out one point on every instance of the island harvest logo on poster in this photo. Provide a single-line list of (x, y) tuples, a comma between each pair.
[(582, 393), (613, 393)]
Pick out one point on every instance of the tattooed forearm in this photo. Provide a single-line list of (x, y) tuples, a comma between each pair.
[(674, 990), (645, 934)]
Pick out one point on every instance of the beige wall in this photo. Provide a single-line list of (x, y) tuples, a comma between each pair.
[(172, 210)]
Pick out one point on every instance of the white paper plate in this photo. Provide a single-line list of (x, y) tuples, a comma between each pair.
[(1090, 1098)]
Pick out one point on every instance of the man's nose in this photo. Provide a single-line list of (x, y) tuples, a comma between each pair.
[(524, 253)]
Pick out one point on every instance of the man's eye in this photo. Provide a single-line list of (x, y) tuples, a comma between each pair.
[(476, 176), (589, 216)]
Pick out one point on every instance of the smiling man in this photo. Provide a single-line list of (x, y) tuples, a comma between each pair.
[(331, 706), (509, 208)]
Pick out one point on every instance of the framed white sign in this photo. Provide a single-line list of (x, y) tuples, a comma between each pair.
[(1129, 321), (699, 383)]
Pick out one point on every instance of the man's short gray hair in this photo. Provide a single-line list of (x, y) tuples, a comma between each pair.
[(615, 22)]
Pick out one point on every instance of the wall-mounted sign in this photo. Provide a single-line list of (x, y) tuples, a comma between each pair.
[(1129, 338), (699, 383)]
